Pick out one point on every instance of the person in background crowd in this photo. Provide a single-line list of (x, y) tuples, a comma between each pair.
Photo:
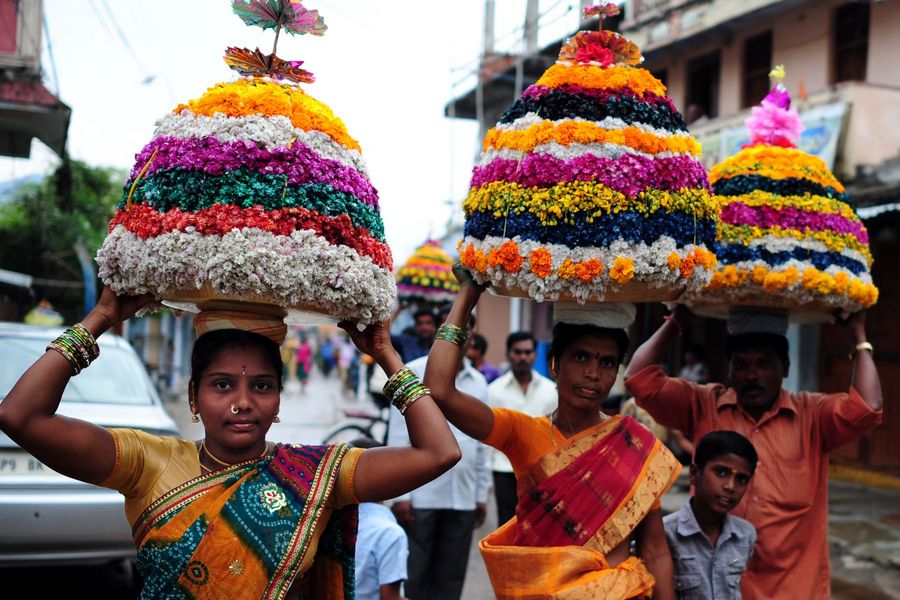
[(710, 548), (441, 515), (476, 352), (381, 548), (327, 355), (525, 390), (694, 368), (304, 361), (348, 363), (412, 345), (793, 433)]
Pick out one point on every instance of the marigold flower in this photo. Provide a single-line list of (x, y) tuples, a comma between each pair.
[(687, 266), (589, 269), (481, 261), (567, 269), (674, 261), (541, 262), (622, 270), (507, 255), (841, 282)]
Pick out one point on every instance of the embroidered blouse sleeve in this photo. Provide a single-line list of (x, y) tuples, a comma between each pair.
[(135, 468), (344, 492)]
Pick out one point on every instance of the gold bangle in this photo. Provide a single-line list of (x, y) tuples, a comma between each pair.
[(862, 346)]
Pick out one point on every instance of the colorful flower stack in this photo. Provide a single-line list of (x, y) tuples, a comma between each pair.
[(254, 192), (789, 237), (590, 187), (427, 277)]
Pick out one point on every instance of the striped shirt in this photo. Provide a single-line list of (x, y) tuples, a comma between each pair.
[(787, 499)]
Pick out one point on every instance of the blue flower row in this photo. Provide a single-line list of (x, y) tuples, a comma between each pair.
[(557, 104), (789, 186), (630, 226), (735, 253)]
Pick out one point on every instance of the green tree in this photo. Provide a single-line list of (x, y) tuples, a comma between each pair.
[(41, 224)]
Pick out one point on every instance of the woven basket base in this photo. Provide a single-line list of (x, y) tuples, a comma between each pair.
[(631, 292), (205, 298)]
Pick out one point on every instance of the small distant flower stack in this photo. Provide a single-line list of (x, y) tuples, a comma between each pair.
[(789, 237), (427, 277), (254, 192), (590, 188)]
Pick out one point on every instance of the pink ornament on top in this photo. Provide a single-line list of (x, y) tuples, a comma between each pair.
[(774, 122)]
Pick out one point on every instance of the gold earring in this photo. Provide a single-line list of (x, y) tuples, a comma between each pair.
[(192, 402), (553, 366), (277, 419)]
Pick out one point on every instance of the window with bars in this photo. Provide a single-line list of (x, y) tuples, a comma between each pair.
[(757, 64), (850, 42), (703, 87)]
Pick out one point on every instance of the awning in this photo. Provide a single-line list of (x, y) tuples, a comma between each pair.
[(28, 110), (16, 279), (870, 212)]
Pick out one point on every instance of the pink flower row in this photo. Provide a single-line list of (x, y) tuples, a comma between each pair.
[(738, 213), (299, 162), (629, 174)]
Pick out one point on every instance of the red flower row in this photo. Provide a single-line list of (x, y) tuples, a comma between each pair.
[(145, 222)]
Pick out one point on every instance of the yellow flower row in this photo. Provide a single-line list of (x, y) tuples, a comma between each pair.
[(584, 132), (775, 163), (564, 201), (640, 81), (835, 242), (434, 274), (811, 280), (806, 202), (244, 97)]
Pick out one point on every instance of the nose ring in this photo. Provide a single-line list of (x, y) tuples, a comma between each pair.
[(234, 409)]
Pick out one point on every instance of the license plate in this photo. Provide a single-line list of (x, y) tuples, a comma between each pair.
[(21, 463)]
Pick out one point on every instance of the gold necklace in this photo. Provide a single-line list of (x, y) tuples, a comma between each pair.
[(221, 462)]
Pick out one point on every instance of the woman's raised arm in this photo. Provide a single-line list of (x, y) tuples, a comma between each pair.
[(73, 447), (384, 473), (470, 415)]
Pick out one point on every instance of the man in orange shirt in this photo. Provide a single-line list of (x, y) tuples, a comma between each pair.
[(787, 500)]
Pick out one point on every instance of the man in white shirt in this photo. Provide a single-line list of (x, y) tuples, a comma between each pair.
[(523, 389), (441, 515)]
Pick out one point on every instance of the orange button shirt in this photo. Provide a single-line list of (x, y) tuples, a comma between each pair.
[(787, 499)]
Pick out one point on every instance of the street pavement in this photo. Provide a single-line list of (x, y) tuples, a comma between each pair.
[(864, 521)]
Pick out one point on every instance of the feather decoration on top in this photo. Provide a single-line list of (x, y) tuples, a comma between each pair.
[(274, 14), (774, 122)]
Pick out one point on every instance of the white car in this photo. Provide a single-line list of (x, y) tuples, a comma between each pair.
[(46, 518)]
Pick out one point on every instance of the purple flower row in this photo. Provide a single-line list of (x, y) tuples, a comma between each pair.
[(738, 213), (299, 162), (629, 174)]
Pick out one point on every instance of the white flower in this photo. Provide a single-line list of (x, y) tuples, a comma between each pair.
[(301, 271)]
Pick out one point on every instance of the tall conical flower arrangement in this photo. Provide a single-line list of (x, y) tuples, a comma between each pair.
[(590, 187), (254, 192), (789, 237), (427, 277)]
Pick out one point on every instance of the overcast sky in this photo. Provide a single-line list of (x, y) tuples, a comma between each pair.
[(386, 68)]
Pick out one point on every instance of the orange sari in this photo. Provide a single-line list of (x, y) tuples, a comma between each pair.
[(576, 503)]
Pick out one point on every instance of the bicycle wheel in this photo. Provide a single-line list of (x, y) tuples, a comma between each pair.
[(346, 434)]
